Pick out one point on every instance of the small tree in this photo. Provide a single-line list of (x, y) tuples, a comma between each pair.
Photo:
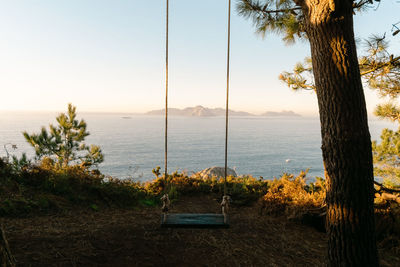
[(64, 143)]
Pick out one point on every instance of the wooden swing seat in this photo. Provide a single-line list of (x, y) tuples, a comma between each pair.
[(194, 220)]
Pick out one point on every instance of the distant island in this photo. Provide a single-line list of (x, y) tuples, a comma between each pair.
[(283, 113), (200, 111)]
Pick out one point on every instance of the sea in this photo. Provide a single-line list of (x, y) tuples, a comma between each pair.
[(134, 144)]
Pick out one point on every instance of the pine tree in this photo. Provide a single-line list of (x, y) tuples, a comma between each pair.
[(346, 141), (64, 143), (380, 70)]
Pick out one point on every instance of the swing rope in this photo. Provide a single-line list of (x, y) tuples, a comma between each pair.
[(227, 95), (165, 198), (166, 96)]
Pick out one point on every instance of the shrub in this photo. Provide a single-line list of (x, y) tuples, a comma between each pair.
[(290, 194), (46, 186), (243, 190)]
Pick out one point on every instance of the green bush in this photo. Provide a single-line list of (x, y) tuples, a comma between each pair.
[(243, 190), (46, 187)]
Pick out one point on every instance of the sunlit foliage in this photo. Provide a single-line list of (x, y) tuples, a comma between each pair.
[(387, 157), (64, 143), (380, 70), (282, 16), (243, 190), (279, 16), (290, 194)]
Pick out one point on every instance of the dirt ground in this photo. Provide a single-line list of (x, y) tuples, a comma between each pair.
[(134, 238)]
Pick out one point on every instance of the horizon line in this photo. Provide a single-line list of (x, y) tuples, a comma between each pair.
[(257, 113), (303, 114)]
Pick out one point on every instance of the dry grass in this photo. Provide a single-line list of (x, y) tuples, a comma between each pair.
[(116, 237), (134, 238), (86, 221)]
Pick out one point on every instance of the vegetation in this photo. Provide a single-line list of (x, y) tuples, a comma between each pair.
[(43, 188), (61, 178), (292, 196), (380, 70), (386, 157), (48, 186), (243, 190), (64, 143), (385, 77)]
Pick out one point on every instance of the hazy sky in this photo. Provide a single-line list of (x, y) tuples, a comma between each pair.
[(108, 55)]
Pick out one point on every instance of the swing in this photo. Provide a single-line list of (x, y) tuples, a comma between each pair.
[(195, 220)]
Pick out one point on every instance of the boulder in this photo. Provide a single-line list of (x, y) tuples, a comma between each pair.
[(216, 171)]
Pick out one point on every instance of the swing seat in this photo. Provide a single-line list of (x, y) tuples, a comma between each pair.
[(194, 220)]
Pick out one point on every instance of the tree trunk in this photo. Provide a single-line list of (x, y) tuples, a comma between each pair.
[(346, 142)]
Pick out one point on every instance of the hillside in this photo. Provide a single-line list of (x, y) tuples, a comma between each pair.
[(73, 217), (200, 111), (283, 113)]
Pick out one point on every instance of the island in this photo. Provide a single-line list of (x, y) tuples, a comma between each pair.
[(283, 113), (200, 111)]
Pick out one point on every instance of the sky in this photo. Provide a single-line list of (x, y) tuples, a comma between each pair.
[(109, 56)]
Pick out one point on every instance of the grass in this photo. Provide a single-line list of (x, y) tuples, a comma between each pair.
[(43, 188), (31, 189)]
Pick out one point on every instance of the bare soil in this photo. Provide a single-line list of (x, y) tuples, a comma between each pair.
[(115, 237)]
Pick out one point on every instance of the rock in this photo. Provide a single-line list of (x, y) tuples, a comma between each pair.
[(216, 171)]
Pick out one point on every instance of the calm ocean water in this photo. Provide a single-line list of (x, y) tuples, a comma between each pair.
[(133, 147)]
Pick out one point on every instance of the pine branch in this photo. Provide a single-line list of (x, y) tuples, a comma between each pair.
[(280, 16), (264, 9), (359, 5), (381, 187), (388, 111), (393, 62)]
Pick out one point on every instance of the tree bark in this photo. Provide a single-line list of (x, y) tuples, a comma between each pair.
[(346, 142)]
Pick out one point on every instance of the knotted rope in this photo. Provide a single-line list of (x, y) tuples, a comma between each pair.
[(166, 203), (225, 206), (165, 206)]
